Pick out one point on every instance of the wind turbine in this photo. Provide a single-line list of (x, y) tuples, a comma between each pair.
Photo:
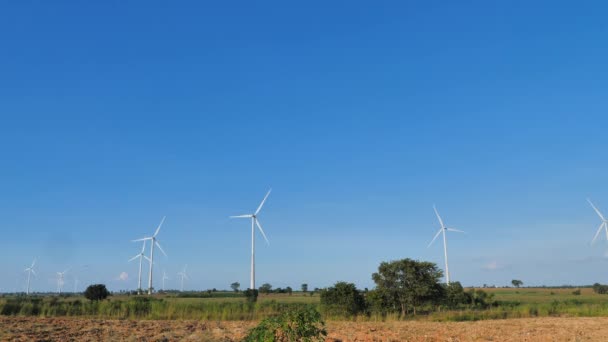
[(443, 230), (604, 223), (141, 256), (60, 281), (254, 222), (29, 271), (183, 275), (151, 260), (165, 277)]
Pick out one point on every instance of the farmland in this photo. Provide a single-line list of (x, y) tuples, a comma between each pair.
[(526, 313)]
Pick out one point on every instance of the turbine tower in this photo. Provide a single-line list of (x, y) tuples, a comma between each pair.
[(254, 222), (165, 277), (183, 275), (153, 242), (443, 230), (141, 256), (60, 281), (604, 223), (29, 271)]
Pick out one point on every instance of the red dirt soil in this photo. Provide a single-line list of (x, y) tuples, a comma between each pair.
[(81, 329)]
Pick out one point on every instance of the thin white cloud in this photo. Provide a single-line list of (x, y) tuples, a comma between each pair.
[(124, 276)]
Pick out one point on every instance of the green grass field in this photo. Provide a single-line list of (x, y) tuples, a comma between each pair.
[(509, 303)]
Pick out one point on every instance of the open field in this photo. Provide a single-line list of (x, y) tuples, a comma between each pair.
[(529, 329), (508, 303)]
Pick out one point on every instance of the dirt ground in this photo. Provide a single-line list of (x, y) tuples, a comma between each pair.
[(529, 329)]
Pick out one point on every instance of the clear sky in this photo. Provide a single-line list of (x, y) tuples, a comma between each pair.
[(359, 116)]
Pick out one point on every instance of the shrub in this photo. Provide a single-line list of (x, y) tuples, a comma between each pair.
[(251, 295), (577, 292), (303, 324), (342, 299), (96, 292)]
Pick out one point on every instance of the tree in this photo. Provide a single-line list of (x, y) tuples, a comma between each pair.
[(408, 283), (235, 286), (96, 292), (289, 290), (265, 288), (343, 299), (304, 288), (517, 283), (455, 295)]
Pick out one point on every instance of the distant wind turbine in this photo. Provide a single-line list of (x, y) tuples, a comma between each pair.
[(254, 222), (165, 277), (153, 242), (141, 256), (60, 280), (183, 275), (604, 223), (443, 230), (30, 271)]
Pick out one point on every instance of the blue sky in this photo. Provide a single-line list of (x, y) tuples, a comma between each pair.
[(359, 117)]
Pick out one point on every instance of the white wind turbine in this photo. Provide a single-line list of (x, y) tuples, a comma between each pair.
[(254, 222), (29, 271), (153, 242), (60, 280), (604, 223), (443, 230), (165, 277), (141, 256), (183, 275)]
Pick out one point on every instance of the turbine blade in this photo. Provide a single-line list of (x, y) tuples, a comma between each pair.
[(242, 216), (161, 223), (262, 204), (438, 217), (261, 230), (145, 257), (596, 210), (435, 238), (455, 230), (33, 263), (143, 248), (135, 257), (159, 247), (142, 239), (34, 273), (598, 232)]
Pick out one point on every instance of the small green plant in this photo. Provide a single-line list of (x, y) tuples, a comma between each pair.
[(301, 325)]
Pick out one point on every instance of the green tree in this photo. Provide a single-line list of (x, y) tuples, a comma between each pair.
[(96, 292), (517, 283), (235, 286), (304, 288), (455, 295), (265, 288), (342, 299), (289, 290), (407, 284)]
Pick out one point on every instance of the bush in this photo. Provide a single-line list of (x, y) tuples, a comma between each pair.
[(600, 289), (342, 299), (251, 295), (577, 292), (304, 325), (96, 292)]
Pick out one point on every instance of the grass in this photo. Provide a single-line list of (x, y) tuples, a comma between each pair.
[(223, 306)]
